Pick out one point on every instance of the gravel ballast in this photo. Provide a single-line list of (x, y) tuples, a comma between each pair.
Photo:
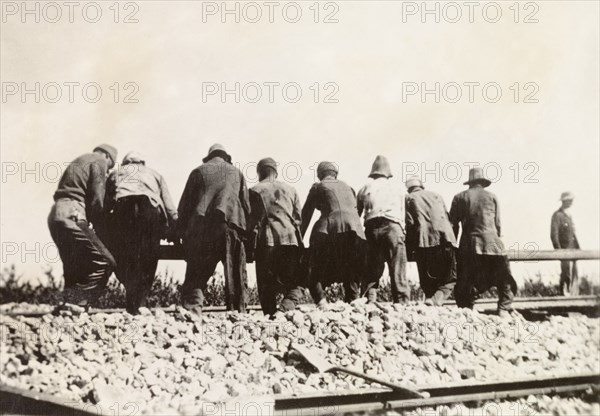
[(163, 363)]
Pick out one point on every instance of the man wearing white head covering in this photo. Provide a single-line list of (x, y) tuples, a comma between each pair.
[(563, 236), (382, 203), (142, 214)]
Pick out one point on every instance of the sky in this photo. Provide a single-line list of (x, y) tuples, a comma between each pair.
[(514, 89)]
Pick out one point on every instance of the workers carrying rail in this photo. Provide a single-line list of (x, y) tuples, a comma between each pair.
[(215, 221)]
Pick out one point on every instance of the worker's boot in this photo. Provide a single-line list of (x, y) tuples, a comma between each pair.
[(503, 313), (372, 295)]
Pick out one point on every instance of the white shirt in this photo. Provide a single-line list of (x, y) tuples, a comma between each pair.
[(382, 197)]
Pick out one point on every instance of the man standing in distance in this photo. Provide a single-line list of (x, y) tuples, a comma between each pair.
[(563, 236)]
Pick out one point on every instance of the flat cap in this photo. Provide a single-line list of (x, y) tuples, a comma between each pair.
[(267, 162), (109, 150), (326, 167)]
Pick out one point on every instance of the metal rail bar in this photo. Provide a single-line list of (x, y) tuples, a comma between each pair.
[(16, 401), (482, 305), (24, 402), (373, 400), (175, 252)]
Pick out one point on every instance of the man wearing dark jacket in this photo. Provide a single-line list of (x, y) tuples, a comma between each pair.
[(337, 240), (430, 237), (79, 204), (563, 236), (275, 233), (142, 214), (481, 262), (212, 221)]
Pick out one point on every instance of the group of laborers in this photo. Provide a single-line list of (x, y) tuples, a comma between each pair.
[(128, 212)]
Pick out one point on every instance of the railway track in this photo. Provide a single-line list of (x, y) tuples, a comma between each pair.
[(175, 252), (530, 304), (15, 401), (464, 392)]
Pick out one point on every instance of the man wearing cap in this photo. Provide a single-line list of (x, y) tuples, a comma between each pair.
[(213, 214), (142, 214), (382, 202), (79, 204), (481, 262), (563, 236), (337, 240), (275, 233), (430, 237)]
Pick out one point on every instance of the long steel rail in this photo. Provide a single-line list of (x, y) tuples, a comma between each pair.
[(463, 392), (175, 252)]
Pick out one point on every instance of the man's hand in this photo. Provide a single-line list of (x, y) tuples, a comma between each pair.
[(173, 236), (250, 241)]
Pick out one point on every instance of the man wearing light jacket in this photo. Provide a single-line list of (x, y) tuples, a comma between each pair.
[(383, 205), (142, 214)]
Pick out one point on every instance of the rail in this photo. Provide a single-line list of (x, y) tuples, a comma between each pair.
[(175, 252), (462, 392), (14, 400)]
